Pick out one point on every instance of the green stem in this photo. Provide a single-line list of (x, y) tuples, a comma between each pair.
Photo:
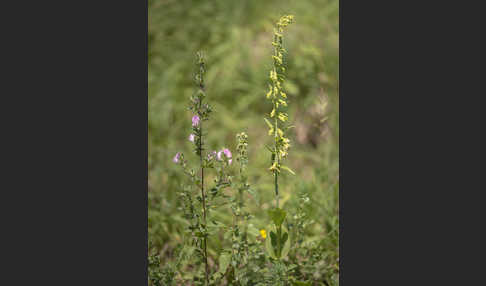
[(276, 186), (201, 85), (275, 52), (276, 155)]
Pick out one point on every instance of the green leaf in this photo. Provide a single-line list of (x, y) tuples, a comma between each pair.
[(288, 169), (268, 123), (268, 243), (273, 237), (285, 242), (224, 260), (285, 236), (269, 148), (252, 230), (227, 235), (271, 242), (277, 215)]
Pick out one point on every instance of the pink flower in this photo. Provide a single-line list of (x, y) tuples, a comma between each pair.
[(195, 120), (227, 152), (176, 157), (191, 137)]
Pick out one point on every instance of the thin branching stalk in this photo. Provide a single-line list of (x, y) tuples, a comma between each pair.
[(200, 152)]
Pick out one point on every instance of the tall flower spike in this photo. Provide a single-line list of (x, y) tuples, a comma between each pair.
[(279, 99)]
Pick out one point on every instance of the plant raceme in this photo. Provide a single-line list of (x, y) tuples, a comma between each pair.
[(279, 243)]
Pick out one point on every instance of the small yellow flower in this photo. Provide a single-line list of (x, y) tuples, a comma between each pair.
[(263, 233), (272, 114), (273, 167)]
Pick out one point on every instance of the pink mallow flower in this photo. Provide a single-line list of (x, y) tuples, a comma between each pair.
[(191, 137), (195, 120), (227, 154), (176, 157)]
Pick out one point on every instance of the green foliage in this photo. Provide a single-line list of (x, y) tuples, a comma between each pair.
[(159, 276), (278, 245), (277, 215), (236, 37)]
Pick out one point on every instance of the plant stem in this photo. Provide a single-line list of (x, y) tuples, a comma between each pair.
[(276, 186), (276, 155), (204, 212), (201, 85), (275, 52)]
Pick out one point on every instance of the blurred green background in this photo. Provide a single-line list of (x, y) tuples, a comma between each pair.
[(235, 37)]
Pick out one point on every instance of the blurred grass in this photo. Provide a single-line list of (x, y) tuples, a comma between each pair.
[(236, 39)]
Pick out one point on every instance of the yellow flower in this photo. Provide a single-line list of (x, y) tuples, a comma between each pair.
[(269, 93), (273, 167), (263, 233)]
